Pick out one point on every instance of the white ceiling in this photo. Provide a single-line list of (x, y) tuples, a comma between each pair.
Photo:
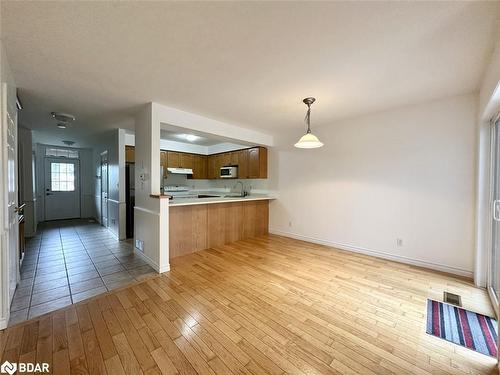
[(246, 63)]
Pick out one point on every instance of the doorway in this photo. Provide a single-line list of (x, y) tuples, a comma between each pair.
[(104, 188), (493, 282), (62, 188)]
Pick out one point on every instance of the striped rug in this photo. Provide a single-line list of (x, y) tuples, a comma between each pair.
[(463, 327)]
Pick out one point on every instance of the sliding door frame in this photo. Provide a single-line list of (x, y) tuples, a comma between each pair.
[(493, 130)]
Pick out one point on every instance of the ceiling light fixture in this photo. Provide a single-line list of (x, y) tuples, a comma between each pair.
[(69, 143), (64, 117), (190, 137), (308, 140)]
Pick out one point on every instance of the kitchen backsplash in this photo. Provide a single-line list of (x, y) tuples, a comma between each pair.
[(256, 185)]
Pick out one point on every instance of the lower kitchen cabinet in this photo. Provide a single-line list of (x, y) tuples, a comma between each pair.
[(202, 226)]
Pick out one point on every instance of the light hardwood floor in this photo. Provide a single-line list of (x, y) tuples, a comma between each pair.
[(266, 305)]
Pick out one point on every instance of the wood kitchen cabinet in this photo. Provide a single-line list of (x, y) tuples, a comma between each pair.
[(129, 154), (257, 162), (186, 160), (235, 158), (243, 163), (179, 160), (251, 162), (214, 164), (173, 159), (200, 226), (225, 159), (199, 167), (163, 162), (211, 174)]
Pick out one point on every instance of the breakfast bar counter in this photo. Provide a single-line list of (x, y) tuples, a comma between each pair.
[(201, 223)]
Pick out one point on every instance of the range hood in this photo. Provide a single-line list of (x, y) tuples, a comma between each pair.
[(180, 170)]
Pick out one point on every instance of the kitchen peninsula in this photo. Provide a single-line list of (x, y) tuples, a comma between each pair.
[(200, 223)]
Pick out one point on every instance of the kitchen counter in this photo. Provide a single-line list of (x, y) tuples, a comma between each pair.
[(201, 223), (194, 201)]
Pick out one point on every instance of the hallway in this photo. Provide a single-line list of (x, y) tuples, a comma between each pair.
[(69, 261)]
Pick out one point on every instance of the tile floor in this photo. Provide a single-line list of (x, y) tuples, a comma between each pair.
[(69, 261)]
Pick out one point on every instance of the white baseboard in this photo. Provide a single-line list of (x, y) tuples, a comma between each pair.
[(378, 254), (4, 322), (158, 268)]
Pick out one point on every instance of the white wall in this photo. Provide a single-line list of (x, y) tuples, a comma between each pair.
[(489, 95), (150, 213), (406, 173)]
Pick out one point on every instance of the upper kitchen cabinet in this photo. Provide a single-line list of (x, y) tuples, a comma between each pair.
[(251, 162), (225, 159), (242, 163), (186, 160), (129, 154), (211, 167), (179, 160), (173, 159), (199, 167), (163, 162), (257, 162)]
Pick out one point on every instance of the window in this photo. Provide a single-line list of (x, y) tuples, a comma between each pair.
[(62, 176), (62, 153)]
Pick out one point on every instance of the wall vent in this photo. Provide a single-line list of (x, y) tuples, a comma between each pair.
[(453, 299)]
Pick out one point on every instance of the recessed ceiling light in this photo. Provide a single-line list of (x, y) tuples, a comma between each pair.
[(61, 125), (190, 137)]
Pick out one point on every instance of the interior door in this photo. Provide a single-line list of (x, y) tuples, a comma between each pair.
[(494, 256), (104, 189), (62, 188)]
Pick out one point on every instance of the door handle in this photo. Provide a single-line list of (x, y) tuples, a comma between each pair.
[(20, 208), (496, 215)]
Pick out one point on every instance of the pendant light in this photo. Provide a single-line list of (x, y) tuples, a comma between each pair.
[(308, 140)]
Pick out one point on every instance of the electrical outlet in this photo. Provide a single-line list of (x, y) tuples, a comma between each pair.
[(399, 242)]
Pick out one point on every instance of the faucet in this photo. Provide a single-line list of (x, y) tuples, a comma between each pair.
[(243, 193)]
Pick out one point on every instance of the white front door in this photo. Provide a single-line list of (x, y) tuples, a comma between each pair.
[(62, 188)]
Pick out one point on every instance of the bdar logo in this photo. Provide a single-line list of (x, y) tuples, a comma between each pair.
[(9, 368)]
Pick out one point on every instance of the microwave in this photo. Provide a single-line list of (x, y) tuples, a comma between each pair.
[(228, 172)]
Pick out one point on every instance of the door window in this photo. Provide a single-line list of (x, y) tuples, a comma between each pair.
[(62, 176)]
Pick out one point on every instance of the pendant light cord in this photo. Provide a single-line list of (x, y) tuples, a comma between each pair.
[(308, 118)]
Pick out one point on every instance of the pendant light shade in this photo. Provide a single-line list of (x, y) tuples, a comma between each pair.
[(308, 140)]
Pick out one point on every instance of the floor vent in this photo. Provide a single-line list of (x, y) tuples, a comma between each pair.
[(453, 299)]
